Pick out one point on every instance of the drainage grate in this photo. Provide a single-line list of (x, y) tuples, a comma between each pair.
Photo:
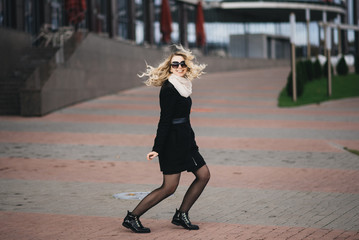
[(131, 195)]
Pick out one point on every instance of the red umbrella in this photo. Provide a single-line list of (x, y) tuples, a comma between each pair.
[(75, 10), (200, 34), (166, 22)]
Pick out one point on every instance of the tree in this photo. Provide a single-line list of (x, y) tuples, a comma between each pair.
[(317, 69), (342, 67), (300, 80), (309, 69), (325, 69)]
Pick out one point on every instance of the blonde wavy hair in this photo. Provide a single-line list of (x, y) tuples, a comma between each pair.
[(156, 76)]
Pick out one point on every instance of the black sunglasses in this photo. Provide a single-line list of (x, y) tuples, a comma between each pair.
[(176, 64)]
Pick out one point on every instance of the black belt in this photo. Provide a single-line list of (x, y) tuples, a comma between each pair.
[(179, 120)]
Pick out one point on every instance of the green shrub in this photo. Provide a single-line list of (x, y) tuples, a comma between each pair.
[(300, 76), (325, 69), (317, 69), (302, 73), (309, 69), (356, 63), (316, 91), (289, 86), (342, 67)]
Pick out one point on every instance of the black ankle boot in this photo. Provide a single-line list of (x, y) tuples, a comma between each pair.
[(182, 219), (133, 222)]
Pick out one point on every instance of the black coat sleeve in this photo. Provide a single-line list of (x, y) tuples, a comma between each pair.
[(168, 98)]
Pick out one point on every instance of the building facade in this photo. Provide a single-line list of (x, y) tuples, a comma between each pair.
[(139, 20)]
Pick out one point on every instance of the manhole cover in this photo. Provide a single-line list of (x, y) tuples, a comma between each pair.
[(131, 195)]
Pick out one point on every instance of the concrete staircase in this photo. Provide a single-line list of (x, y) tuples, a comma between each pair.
[(10, 86)]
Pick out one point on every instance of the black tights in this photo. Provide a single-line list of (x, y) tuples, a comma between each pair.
[(169, 186)]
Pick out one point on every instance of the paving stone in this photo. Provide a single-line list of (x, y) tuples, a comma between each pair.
[(277, 173), (234, 205)]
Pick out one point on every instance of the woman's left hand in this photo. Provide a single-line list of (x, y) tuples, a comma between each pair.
[(152, 155)]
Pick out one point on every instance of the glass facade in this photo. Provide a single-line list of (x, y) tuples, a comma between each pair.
[(2, 12), (29, 14), (99, 11), (56, 14), (122, 19), (218, 32), (326, 2)]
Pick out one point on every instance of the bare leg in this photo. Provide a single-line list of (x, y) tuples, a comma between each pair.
[(169, 186), (196, 188)]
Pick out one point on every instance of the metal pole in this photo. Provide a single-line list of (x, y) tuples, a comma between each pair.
[(109, 18), (356, 22), (37, 16), (328, 47), (183, 20), (115, 18), (325, 30), (308, 42), (292, 39), (345, 32), (320, 39), (329, 74), (307, 16), (148, 20), (339, 41), (89, 15), (131, 31), (339, 35), (294, 77), (20, 16), (246, 32)]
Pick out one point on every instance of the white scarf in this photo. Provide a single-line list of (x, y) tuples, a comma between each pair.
[(182, 85)]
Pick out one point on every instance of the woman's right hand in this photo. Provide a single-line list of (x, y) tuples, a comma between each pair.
[(152, 155)]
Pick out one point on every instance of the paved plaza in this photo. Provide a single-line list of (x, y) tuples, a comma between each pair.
[(276, 173)]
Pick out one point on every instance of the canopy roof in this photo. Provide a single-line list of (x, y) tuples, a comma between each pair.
[(268, 11)]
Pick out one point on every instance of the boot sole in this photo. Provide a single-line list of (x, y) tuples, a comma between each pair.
[(176, 223), (133, 230), (184, 226)]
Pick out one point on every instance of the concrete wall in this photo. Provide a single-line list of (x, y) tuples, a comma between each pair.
[(12, 45), (232, 64), (259, 46), (248, 46), (101, 66)]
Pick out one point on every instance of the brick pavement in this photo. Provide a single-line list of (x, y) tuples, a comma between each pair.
[(276, 173)]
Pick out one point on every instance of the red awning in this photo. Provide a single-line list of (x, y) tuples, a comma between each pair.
[(166, 22), (200, 34), (75, 10)]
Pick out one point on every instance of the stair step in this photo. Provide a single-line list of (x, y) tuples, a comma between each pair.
[(9, 97), (13, 85), (10, 112), (10, 86)]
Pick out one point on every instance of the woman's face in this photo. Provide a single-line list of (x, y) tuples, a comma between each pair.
[(178, 66)]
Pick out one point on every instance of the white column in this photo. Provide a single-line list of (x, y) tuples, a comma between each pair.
[(339, 19)]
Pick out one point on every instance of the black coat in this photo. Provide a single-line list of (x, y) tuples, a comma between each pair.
[(175, 143)]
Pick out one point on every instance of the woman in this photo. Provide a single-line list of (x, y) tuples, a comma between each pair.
[(175, 143)]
